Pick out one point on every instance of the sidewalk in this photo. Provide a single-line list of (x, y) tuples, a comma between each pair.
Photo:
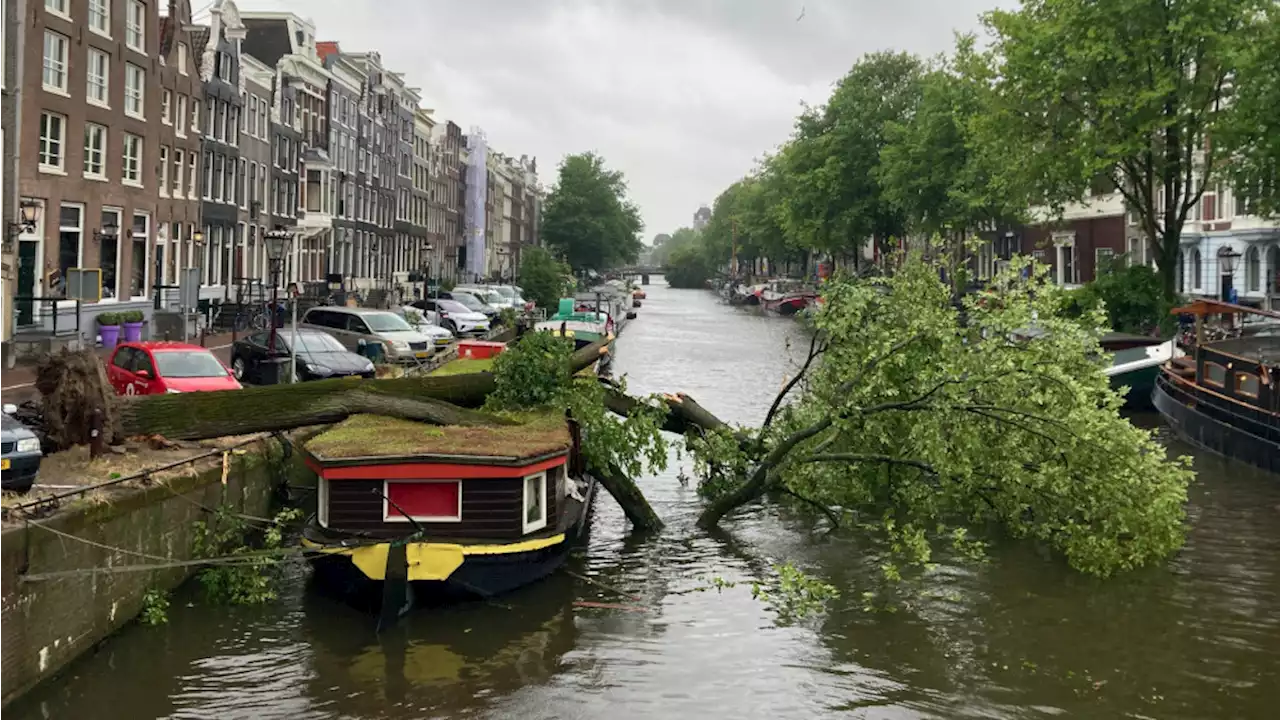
[(18, 382)]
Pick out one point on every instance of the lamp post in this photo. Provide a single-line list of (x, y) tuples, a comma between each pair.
[(1227, 257), (277, 245), (428, 266), (28, 217)]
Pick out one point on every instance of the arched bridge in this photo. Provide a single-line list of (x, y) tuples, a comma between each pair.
[(637, 270)]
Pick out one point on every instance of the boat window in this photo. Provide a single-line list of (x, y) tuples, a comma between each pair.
[(423, 500), (1247, 384), (1215, 374), (535, 502)]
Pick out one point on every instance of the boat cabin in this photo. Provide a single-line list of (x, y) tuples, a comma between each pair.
[(385, 478)]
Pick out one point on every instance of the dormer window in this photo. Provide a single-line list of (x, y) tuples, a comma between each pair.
[(301, 37)]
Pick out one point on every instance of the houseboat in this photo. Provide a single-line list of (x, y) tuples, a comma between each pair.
[(1135, 362), (410, 513), (1222, 396), (786, 297), (584, 324)]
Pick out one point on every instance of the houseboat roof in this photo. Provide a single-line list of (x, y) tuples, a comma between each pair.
[(381, 440), (1265, 349)]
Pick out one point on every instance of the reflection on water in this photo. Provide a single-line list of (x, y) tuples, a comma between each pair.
[(1017, 637)]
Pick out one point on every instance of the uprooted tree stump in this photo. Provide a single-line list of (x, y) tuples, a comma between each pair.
[(74, 389)]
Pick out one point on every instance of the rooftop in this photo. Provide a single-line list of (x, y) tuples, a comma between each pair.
[(375, 436)]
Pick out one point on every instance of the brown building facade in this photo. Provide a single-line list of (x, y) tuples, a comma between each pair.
[(178, 161), (91, 117)]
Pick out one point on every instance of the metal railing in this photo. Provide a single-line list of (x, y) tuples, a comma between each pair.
[(20, 300)]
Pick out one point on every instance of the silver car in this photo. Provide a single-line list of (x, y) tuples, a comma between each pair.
[(20, 460), (358, 327)]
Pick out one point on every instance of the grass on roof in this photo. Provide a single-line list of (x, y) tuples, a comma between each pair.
[(375, 435), (462, 366)]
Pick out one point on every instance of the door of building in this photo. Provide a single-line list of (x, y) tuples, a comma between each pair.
[(28, 270)]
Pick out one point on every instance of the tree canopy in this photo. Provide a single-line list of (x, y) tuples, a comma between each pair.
[(588, 217), (542, 276)]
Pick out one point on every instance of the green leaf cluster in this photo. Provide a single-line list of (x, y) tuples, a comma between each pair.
[(588, 218), (1131, 297), (542, 276)]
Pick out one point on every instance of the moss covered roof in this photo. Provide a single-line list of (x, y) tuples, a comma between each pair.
[(463, 366), (377, 436)]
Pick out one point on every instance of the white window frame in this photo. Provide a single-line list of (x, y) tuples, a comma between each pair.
[(58, 8), (527, 527), (386, 506), (195, 115), (135, 26), (1066, 243), (193, 175), (146, 266), (162, 182), (322, 501), (56, 66), (94, 80), (135, 93), (182, 58), (166, 107), (100, 12), (137, 161), (61, 167), (118, 212), (179, 167), (105, 134)]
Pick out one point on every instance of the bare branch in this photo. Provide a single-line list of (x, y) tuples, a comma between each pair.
[(861, 458), (814, 351), (831, 514)]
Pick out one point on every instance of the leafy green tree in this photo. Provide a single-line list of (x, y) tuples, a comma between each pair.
[(1130, 296), (542, 275), (939, 422), (688, 267), (1253, 136), (833, 201), (588, 218), (1124, 93), (682, 238)]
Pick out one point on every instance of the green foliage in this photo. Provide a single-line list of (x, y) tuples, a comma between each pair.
[(588, 218), (921, 420), (507, 316), (542, 276), (1131, 296), (533, 374), (155, 607), (1121, 94), (108, 319), (788, 592), (238, 573), (1253, 133), (688, 267), (132, 316)]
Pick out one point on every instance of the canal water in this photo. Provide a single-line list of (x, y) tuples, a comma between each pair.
[(1019, 636)]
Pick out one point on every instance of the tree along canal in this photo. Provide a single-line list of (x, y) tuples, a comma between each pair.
[(1017, 636)]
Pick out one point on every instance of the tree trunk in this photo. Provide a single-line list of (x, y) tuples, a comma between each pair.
[(625, 491), (198, 416), (73, 385)]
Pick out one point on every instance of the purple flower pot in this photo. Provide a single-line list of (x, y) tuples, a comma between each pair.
[(133, 332), (110, 335)]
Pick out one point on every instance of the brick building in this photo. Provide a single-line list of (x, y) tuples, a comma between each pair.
[(178, 203)]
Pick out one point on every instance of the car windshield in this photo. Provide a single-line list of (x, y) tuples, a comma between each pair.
[(189, 364), (312, 342), (386, 322), (469, 301), (452, 306), (505, 292)]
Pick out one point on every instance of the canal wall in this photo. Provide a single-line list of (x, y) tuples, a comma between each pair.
[(50, 619)]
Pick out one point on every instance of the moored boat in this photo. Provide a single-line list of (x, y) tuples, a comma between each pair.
[(1223, 395), (1135, 363), (585, 325), (410, 513)]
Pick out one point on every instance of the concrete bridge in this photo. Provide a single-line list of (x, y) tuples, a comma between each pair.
[(636, 270)]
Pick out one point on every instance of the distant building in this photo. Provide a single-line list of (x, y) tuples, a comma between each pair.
[(701, 218)]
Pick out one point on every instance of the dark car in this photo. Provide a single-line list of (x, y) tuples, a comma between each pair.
[(320, 356), (472, 303), (20, 459)]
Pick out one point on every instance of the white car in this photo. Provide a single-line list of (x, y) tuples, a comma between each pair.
[(417, 319), (453, 316)]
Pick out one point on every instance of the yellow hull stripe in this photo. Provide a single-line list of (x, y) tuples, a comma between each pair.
[(427, 560)]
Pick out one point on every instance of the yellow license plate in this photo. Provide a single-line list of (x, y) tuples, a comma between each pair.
[(442, 341), (4, 464), (422, 354)]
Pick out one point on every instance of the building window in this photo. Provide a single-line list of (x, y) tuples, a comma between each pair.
[(132, 174), (70, 244), (1252, 269), (195, 115), (58, 7), (140, 257), (109, 252), (180, 126), (166, 107), (99, 71), (179, 164), (95, 150), (241, 175), (135, 28), (135, 83), (100, 16), (182, 59), (229, 182), (422, 500), (55, 61), (53, 136), (534, 516), (1196, 269), (163, 181), (191, 175)]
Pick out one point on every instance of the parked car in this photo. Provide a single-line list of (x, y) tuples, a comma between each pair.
[(319, 354), (489, 295), (453, 316), (354, 327), (20, 459), (418, 320), (472, 303), (155, 368), (514, 296)]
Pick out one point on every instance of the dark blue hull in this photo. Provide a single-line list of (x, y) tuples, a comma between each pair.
[(1210, 428)]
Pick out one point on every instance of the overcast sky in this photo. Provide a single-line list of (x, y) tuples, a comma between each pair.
[(681, 95)]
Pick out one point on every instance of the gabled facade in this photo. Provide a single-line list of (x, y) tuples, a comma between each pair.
[(178, 208), (257, 156)]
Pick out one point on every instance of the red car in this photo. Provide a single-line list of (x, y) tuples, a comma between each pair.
[(154, 368)]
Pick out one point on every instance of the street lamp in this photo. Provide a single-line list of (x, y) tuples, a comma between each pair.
[(428, 266), (1227, 257), (28, 217), (277, 245)]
